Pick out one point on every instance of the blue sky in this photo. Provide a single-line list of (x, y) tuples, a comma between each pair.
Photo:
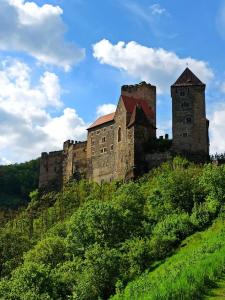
[(63, 63)]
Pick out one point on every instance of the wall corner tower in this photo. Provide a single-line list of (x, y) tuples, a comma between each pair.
[(190, 126)]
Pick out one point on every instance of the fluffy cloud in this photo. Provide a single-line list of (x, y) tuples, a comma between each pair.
[(27, 128), (38, 31), (157, 66), (217, 129), (105, 109)]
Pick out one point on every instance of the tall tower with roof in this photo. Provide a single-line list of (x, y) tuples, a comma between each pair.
[(190, 126)]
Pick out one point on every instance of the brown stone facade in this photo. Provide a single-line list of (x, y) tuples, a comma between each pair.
[(123, 145)]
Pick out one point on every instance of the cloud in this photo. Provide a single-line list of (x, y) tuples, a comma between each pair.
[(27, 128), (156, 9), (105, 109), (156, 17), (38, 31), (155, 65), (217, 129), (4, 161)]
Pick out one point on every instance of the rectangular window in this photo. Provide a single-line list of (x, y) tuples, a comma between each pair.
[(98, 131), (103, 139), (105, 150), (111, 147)]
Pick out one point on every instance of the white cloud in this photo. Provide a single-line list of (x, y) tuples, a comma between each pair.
[(38, 31), (217, 129), (4, 161), (105, 109), (157, 66), (157, 9), (27, 128)]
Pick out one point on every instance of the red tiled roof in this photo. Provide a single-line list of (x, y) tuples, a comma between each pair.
[(102, 120), (130, 103), (138, 117)]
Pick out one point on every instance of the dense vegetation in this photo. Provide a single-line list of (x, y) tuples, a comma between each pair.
[(16, 182), (91, 241)]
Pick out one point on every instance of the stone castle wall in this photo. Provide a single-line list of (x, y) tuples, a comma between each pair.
[(51, 166)]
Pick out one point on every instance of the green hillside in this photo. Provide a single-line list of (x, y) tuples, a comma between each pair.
[(94, 241)]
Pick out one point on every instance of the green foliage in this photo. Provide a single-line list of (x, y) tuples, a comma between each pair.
[(16, 182), (89, 241), (187, 274)]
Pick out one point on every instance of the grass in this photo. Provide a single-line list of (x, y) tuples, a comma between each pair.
[(217, 293), (188, 274)]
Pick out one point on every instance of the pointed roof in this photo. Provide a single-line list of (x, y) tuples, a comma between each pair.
[(130, 103), (188, 78), (102, 120), (138, 117)]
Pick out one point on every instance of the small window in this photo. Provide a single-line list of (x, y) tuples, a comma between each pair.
[(185, 134), (185, 105), (98, 131), (104, 150), (182, 93), (119, 134), (188, 120), (103, 139), (111, 147)]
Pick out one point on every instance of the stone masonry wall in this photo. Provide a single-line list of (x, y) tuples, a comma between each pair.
[(75, 160), (51, 169), (100, 152), (190, 132)]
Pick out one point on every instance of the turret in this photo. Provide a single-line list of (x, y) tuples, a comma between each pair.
[(144, 91), (190, 126)]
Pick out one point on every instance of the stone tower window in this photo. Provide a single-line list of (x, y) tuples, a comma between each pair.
[(182, 93), (119, 134), (188, 120), (185, 105), (103, 139)]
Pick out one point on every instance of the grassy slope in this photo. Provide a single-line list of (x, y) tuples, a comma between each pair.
[(217, 293), (188, 274)]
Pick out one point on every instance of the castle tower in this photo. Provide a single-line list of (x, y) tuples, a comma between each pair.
[(190, 126), (144, 91)]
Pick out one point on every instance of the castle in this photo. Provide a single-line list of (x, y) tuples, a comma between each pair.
[(123, 144)]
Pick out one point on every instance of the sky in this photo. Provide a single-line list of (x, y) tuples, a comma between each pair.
[(63, 62)]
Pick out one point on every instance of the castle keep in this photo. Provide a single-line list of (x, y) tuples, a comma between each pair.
[(123, 144)]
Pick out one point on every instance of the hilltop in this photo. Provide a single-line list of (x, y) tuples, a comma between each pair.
[(90, 241)]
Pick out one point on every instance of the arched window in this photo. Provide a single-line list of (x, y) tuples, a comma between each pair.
[(119, 134)]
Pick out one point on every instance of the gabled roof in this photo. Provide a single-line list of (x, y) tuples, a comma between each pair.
[(188, 78), (102, 120), (130, 103), (138, 117)]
